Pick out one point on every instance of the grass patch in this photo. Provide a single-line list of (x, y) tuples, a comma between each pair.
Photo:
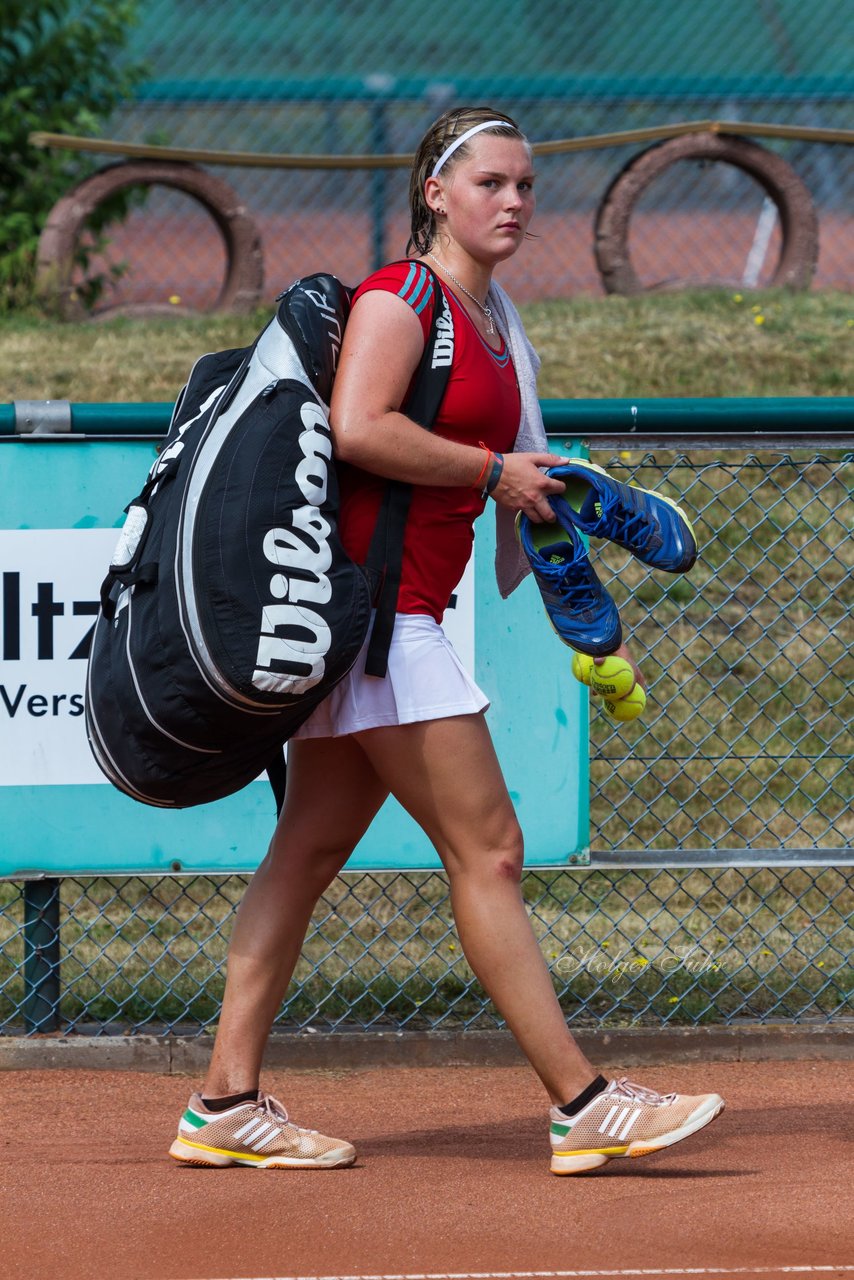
[(115, 361), (699, 343)]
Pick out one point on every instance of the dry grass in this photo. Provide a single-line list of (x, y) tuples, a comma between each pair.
[(119, 361), (693, 344), (696, 344)]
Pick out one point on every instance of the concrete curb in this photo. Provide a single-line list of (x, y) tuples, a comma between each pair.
[(347, 1050)]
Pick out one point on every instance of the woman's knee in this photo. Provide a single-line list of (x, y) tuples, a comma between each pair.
[(501, 861)]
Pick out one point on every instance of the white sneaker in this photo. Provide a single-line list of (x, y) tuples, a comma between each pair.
[(258, 1134), (626, 1120)]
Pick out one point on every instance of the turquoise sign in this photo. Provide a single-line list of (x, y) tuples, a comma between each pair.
[(62, 505)]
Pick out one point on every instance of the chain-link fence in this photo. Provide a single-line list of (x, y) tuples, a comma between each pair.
[(750, 742), (742, 759), (363, 78)]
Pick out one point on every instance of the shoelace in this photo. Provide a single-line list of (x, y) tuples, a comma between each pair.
[(637, 1093), (579, 597), (633, 526), (277, 1112), (572, 586)]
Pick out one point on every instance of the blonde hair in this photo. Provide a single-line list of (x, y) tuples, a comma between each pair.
[(437, 139)]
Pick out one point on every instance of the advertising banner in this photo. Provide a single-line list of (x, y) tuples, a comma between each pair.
[(60, 513)]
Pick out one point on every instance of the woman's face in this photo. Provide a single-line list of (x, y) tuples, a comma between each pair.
[(488, 197)]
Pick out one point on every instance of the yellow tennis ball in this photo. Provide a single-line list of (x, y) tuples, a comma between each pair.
[(582, 667), (628, 708), (614, 678)]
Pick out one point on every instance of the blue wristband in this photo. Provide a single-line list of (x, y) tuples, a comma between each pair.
[(494, 475)]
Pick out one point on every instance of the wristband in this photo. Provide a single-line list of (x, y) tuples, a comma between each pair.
[(494, 475), (490, 456)]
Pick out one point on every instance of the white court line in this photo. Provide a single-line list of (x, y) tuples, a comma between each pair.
[(573, 1275)]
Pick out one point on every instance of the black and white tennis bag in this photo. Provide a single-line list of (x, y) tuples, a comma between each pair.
[(231, 609)]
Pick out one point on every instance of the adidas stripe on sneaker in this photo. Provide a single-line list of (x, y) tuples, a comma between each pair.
[(259, 1134), (626, 1120)]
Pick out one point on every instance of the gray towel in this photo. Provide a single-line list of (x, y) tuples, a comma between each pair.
[(511, 564)]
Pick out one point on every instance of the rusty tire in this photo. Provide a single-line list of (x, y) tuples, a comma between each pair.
[(244, 277), (798, 222)]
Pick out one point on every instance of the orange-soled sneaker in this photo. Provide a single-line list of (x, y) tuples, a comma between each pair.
[(258, 1134), (626, 1120)]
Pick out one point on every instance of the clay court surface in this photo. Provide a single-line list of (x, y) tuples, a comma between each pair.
[(452, 1178), (182, 255)]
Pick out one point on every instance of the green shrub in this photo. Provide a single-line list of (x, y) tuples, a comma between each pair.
[(61, 71)]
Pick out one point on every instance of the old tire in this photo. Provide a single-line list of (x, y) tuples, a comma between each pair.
[(244, 277), (798, 222)]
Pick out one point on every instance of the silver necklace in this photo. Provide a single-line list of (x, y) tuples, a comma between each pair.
[(487, 314)]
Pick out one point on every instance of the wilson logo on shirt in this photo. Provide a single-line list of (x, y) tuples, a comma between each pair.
[(443, 347)]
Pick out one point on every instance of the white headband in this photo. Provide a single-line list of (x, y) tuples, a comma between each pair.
[(464, 137)]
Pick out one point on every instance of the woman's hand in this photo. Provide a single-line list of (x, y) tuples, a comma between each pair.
[(525, 488), (623, 652)]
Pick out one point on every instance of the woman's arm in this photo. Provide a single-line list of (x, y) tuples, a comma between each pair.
[(383, 345)]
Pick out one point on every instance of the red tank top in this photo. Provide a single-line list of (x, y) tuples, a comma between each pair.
[(481, 403)]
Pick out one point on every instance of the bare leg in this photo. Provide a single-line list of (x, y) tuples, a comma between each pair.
[(446, 774), (333, 794)]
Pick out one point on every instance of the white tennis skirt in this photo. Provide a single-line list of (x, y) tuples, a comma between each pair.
[(425, 681)]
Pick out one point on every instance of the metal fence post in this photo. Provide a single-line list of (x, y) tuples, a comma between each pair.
[(41, 954)]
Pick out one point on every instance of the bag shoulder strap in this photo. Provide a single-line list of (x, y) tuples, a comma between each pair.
[(384, 562), (385, 556)]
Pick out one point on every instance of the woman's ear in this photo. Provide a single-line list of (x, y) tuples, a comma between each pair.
[(434, 195)]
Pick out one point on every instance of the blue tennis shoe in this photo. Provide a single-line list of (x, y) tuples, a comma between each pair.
[(653, 528), (579, 608)]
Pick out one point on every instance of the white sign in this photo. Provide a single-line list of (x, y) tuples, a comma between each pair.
[(49, 586)]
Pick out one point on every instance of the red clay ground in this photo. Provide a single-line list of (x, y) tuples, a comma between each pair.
[(182, 256), (452, 1176)]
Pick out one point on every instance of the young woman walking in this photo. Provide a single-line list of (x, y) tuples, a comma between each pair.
[(420, 733)]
